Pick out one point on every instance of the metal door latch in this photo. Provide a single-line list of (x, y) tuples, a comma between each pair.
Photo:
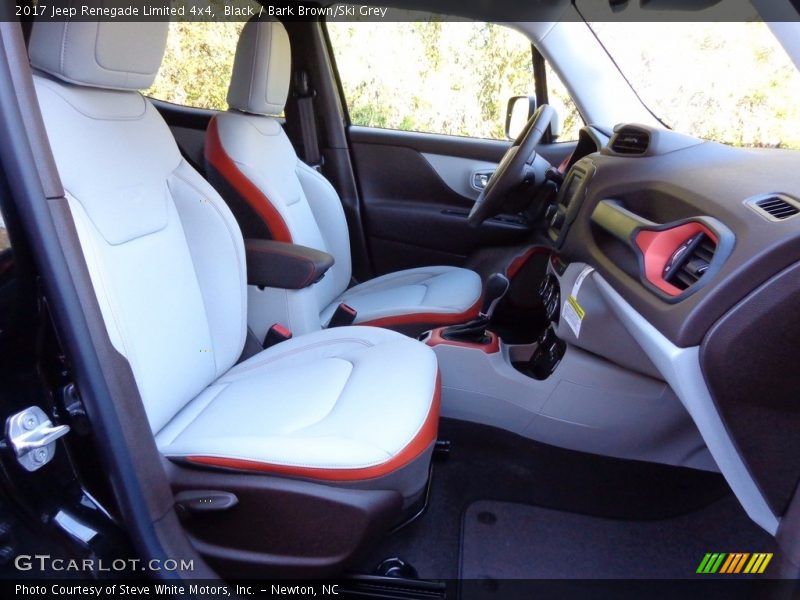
[(480, 179), (32, 437)]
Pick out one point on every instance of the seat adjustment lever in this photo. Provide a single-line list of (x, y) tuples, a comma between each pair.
[(202, 501)]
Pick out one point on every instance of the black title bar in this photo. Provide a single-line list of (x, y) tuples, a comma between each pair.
[(403, 10)]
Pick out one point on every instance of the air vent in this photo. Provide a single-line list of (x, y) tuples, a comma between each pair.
[(691, 261), (630, 141), (775, 207)]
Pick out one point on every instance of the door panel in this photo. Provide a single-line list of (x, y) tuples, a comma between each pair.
[(462, 175), (417, 190)]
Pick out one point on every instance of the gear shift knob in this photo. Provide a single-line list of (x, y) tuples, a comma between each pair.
[(493, 291), (474, 331)]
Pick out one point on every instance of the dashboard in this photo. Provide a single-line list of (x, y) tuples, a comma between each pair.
[(608, 197), (702, 242)]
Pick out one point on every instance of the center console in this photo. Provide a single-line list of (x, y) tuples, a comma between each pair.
[(547, 355), (474, 333), (585, 391), (549, 348), (584, 383)]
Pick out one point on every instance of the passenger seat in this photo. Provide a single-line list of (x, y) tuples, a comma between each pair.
[(250, 160), (334, 427)]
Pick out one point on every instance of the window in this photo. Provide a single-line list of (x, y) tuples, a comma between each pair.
[(434, 76), (5, 243), (727, 82), (7, 272), (197, 65), (559, 98)]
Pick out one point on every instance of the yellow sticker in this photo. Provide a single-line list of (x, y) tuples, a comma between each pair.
[(578, 309)]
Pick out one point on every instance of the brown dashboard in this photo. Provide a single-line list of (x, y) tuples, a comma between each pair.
[(703, 241), (631, 215)]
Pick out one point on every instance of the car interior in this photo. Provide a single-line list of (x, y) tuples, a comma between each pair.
[(325, 349)]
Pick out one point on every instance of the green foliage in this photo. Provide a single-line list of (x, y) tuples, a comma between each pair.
[(453, 78), (729, 82), (198, 63), (441, 77)]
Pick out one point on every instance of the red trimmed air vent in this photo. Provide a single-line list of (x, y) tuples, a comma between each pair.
[(676, 258)]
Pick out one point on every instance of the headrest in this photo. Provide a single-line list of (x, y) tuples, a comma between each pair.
[(262, 69), (113, 55)]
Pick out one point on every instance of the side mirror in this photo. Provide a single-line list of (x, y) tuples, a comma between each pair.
[(520, 109)]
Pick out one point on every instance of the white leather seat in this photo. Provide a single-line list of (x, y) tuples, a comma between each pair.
[(252, 162), (314, 418), (167, 263)]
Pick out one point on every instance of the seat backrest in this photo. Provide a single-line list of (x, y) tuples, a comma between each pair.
[(165, 255), (251, 161)]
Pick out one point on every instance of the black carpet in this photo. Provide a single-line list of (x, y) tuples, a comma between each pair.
[(504, 540), (490, 464)]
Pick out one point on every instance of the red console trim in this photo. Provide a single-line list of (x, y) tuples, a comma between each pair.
[(436, 339), (519, 261)]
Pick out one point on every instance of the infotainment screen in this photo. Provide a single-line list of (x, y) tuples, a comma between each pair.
[(572, 186)]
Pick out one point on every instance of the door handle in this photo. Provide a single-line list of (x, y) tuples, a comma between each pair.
[(480, 179)]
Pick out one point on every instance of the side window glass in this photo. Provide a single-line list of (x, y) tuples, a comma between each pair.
[(7, 271), (435, 76), (197, 65), (559, 98), (5, 243)]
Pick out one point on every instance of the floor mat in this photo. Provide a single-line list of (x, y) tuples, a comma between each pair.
[(503, 540), (490, 464)]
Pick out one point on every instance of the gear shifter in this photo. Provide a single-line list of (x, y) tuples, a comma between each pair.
[(475, 331), (493, 291)]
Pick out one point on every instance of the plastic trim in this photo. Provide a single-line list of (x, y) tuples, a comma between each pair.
[(681, 369)]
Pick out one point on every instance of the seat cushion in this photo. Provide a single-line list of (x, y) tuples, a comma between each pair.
[(424, 296), (345, 404)]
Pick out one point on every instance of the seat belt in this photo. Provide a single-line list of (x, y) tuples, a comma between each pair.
[(308, 123)]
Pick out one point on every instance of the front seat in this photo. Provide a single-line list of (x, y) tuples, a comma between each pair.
[(250, 160), (333, 427)]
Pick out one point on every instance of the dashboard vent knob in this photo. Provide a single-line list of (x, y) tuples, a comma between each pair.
[(690, 261)]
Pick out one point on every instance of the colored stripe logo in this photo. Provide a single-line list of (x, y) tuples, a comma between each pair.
[(734, 563)]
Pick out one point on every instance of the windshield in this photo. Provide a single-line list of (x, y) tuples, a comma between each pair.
[(727, 82)]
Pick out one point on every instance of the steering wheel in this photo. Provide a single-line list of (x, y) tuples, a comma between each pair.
[(516, 166)]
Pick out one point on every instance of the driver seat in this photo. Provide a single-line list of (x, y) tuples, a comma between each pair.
[(251, 162)]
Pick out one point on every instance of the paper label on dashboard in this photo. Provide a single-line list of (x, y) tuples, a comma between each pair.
[(573, 314), (576, 287)]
